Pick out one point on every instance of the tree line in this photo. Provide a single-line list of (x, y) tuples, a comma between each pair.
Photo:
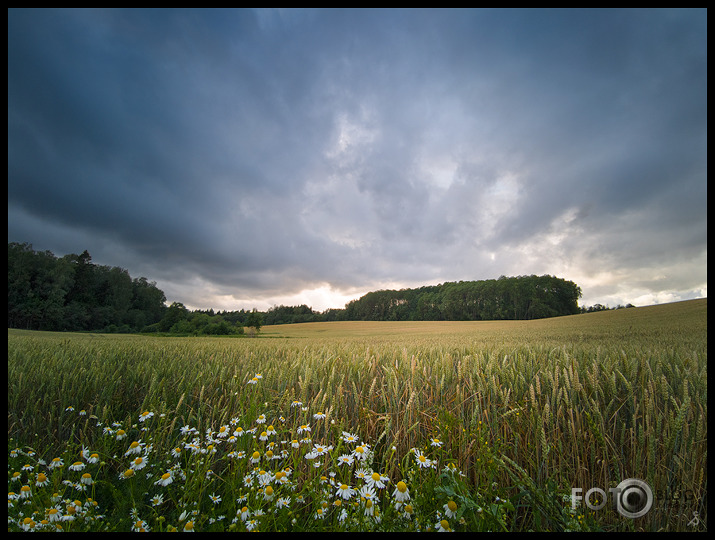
[(71, 293), (521, 297), (45, 292)]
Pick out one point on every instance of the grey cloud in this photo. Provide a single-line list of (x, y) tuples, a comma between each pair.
[(274, 150)]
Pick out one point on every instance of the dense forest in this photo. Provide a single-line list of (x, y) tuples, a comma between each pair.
[(45, 292), (522, 297), (72, 293)]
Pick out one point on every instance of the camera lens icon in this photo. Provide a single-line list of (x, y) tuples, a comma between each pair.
[(633, 498)]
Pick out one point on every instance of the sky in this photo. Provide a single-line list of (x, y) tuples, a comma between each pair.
[(254, 158)]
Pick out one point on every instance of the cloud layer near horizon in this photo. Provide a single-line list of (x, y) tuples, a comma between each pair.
[(249, 158)]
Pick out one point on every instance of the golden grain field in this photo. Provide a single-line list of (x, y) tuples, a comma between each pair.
[(526, 410)]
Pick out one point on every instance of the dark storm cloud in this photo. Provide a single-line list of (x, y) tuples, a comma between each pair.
[(260, 153)]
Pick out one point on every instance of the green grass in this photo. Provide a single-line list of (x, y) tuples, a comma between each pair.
[(525, 411)]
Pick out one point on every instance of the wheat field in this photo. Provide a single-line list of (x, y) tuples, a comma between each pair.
[(525, 411)]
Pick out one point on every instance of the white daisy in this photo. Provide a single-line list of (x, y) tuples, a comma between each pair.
[(345, 491), (401, 493)]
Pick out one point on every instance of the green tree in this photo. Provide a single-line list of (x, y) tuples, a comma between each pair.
[(148, 299), (120, 294), (175, 313), (254, 320), (37, 285)]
